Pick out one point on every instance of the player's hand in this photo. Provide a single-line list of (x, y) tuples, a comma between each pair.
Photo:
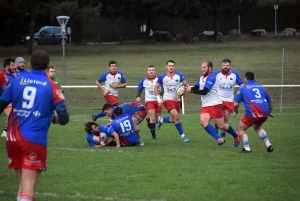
[(138, 99), (106, 92), (108, 125), (271, 115), (234, 114), (187, 90), (102, 144), (114, 85)]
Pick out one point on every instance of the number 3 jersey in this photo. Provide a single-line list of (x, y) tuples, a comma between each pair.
[(34, 97), (124, 126), (255, 99)]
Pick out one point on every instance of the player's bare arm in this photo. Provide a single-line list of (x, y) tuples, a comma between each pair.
[(117, 139), (99, 85), (159, 100), (115, 86), (235, 108)]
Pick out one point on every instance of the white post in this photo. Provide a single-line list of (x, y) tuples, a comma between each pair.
[(182, 104), (275, 8), (281, 89), (63, 20)]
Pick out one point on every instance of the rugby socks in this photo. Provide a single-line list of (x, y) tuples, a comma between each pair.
[(217, 128), (98, 115), (27, 198), (232, 132), (223, 135), (152, 128), (263, 135), (246, 142), (19, 196), (166, 119), (179, 128), (211, 130)]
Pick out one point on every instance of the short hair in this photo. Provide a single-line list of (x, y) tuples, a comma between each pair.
[(112, 62), (118, 111), (249, 75), (171, 61), (39, 60), (7, 62), (106, 106), (209, 64), (151, 66), (88, 126), (226, 61), (52, 67)]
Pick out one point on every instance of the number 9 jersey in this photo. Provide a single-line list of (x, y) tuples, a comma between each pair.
[(34, 97)]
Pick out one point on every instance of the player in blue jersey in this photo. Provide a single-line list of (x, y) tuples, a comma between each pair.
[(34, 97), (99, 135), (154, 110), (169, 82), (226, 78), (20, 66), (114, 80), (136, 110), (258, 106), (124, 126), (212, 107), (9, 70)]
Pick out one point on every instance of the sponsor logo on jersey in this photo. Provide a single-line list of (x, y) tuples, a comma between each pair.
[(32, 156), (36, 113), (25, 81), (60, 94)]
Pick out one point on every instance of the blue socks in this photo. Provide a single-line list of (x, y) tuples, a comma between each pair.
[(211, 130)]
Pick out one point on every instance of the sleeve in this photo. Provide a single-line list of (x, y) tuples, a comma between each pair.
[(182, 78), (238, 98), (268, 96), (141, 85), (123, 79), (102, 78), (7, 94), (3, 83), (239, 80), (59, 104), (107, 130), (160, 79), (210, 81), (90, 140)]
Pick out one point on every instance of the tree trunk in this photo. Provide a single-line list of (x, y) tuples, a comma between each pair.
[(78, 34), (31, 35), (191, 39), (148, 22), (216, 24)]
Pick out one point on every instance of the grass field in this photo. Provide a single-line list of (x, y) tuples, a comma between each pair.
[(167, 169)]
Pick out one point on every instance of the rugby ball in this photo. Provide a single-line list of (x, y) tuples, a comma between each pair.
[(180, 89), (103, 137), (54, 118)]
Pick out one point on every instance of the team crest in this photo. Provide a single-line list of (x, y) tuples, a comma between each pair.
[(32, 156)]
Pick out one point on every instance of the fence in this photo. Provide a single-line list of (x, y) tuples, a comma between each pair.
[(79, 98)]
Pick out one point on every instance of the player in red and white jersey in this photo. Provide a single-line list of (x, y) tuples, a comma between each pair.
[(154, 110), (211, 104), (169, 81), (226, 79), (114, 80)]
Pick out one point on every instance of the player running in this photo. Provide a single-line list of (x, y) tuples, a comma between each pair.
[(258, 106), (211, 104), (169, 82), (154, 110), (226, 79)]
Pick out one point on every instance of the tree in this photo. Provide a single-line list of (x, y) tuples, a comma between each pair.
[(218, 6)]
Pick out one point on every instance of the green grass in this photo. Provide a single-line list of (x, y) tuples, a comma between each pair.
[(168, 169)]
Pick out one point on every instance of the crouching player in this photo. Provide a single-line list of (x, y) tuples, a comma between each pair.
[(124, 126), (96, 135)]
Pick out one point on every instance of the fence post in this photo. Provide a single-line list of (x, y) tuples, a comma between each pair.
[(281, 89)]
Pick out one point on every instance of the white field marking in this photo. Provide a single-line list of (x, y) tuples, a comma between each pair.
[(87, 150), (82, 196)]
